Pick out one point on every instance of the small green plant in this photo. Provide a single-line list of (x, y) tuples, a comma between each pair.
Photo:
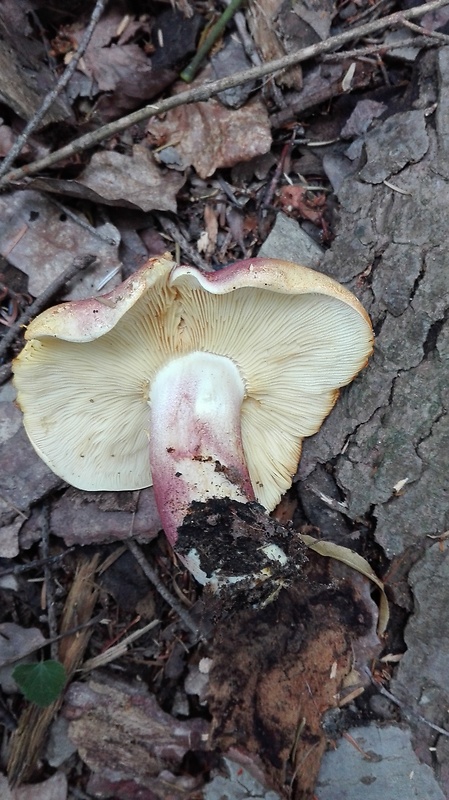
[(41, 683)]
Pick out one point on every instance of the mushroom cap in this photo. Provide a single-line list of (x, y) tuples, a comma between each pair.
[(84, 376)]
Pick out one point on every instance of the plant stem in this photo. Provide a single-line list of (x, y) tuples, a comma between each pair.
[(215, 32)]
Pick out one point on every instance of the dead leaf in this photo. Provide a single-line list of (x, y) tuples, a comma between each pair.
[(123, 68), (210, 136), (355, 561), (39, 239), (208, 239), (15, 643), (134, 181), (307, 205), (128, 73)]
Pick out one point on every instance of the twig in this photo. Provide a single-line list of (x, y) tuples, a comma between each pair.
[(59, 638), (405, 708), (36, 564), (335, 505), (215, 32), (286, 151), (246, 39), (79, 263), (382, 48), (18, 511), (117, 650), (163, 591), (440, 37), (207, 90), (192, 254), (373, 9), (48, 577), (55, 92), (227, 189)]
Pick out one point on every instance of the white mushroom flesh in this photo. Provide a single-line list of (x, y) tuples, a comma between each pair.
[(196, 450)]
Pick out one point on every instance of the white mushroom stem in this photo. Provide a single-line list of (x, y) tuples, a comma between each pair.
[(196, 449)]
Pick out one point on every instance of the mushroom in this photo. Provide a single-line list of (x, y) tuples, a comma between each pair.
[(200, 384)]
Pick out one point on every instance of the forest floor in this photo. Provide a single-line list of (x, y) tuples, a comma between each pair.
[(339, 162)]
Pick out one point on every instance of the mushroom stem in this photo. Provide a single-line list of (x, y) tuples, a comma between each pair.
[(196, 450)]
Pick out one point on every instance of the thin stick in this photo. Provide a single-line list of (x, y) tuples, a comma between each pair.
[(55, 92), (246, 39), (117, 650), (59, 638), (215, 32), (440, 37), (192, 254), (49, 585), (78, 264), (202, 93), (38, 562), (163, 591), (408, 711), (381, 48)]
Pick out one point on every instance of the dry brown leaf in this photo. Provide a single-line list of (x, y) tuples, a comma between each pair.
[(208, 239), (39, 239), (209, 136), (128, 64), (308, 205), (132, 180), (355, 561)]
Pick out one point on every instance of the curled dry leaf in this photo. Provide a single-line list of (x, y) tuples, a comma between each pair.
[(357, 562)]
